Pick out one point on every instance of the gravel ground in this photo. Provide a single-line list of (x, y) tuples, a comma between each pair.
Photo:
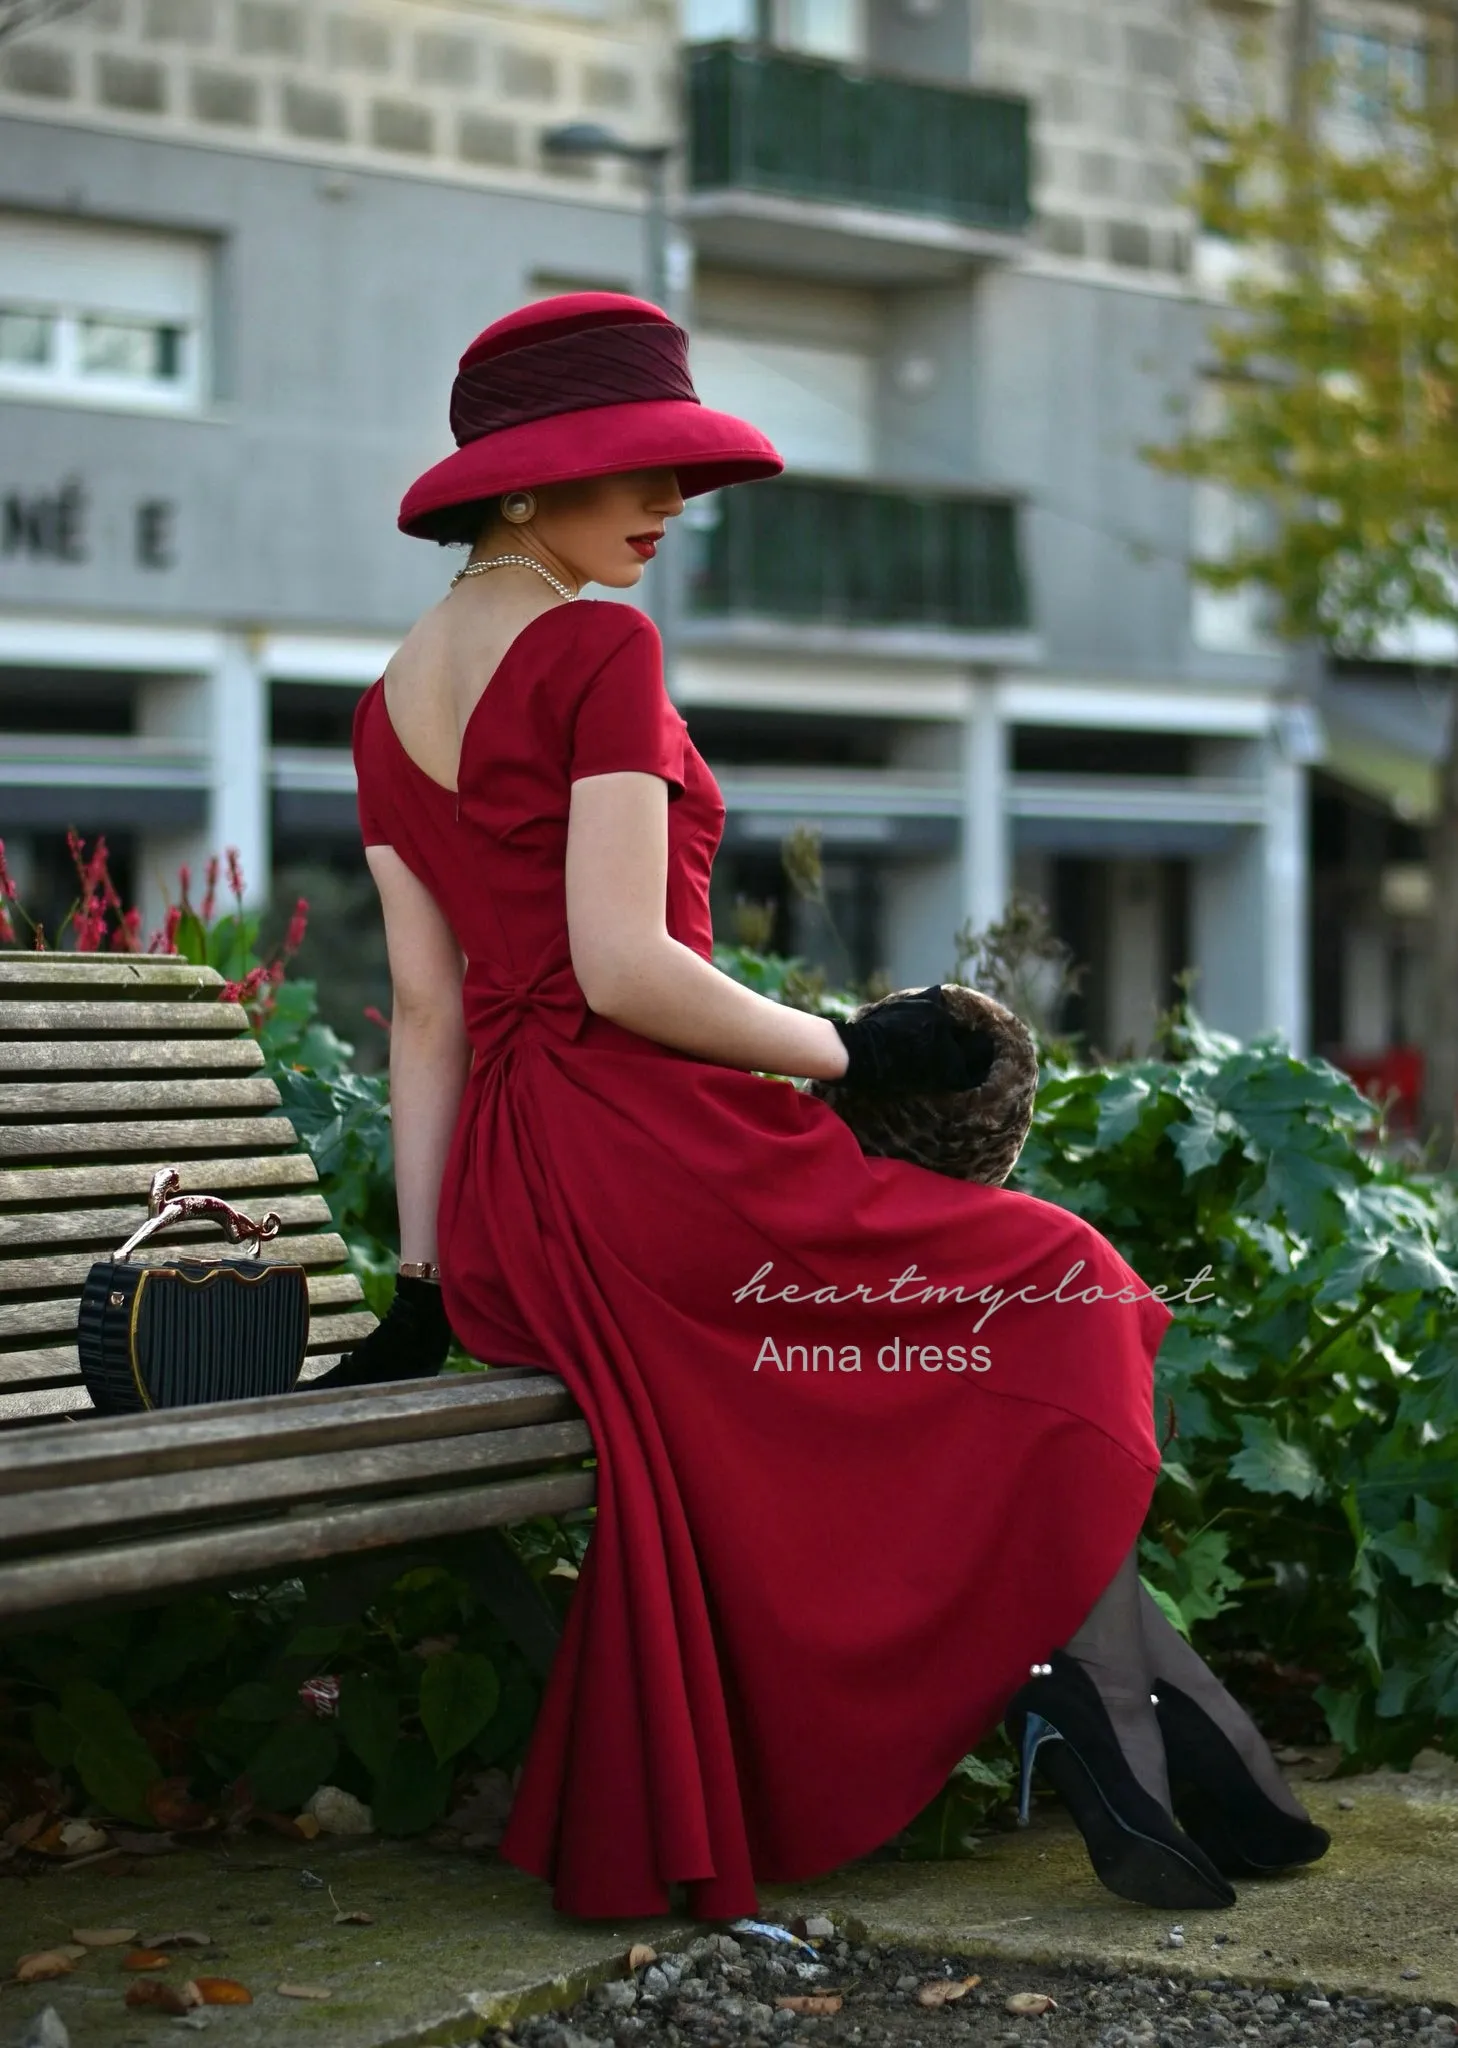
[(721, 1992)]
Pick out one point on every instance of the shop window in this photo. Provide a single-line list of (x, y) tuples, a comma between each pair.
[(101, 316)]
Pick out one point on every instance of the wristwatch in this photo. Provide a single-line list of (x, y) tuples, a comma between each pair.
[(419, 1269)]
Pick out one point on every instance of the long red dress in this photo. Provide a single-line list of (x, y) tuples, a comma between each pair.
[(817, 1575)]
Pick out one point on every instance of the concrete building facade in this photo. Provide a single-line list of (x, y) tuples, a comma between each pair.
[(937, 248)]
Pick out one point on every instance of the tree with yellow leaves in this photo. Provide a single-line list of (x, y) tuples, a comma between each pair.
[(1339, 366)]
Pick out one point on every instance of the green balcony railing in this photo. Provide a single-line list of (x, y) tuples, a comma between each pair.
[(801, 128), (816, 552)]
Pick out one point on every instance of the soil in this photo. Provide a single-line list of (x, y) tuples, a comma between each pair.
[(721, 1993)]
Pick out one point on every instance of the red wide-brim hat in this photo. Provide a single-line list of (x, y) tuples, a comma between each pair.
[(589, 384)]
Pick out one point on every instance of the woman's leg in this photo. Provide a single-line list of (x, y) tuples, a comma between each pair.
[(1112, 1649), (1170, 1657)]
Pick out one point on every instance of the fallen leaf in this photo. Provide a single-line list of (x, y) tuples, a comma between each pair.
[(22, 1831), (146, 1959), (817, 2001), (185, 1938), (942, 1990), (80, 1838), (355, 1919), (48, 1842), (45, 1962), (304, 1991), (641, 1953), (223, 1991), (307, 1825), (134, 1843), (104, 1937), (163, 1997), (171, 1805), (280, 1824), (1028, 2004)]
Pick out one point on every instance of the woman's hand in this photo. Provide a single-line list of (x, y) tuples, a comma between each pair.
[(913, 1045), (412, 1343)]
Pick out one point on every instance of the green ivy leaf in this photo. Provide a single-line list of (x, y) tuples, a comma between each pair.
[(53, 1736), (256, 1700), (459, 1692), (110, 1758), (412, 1789), (369, 1718), (296, 1759), (1270, 1464)]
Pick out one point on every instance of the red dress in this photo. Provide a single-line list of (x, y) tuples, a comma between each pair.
[(810, 1589)]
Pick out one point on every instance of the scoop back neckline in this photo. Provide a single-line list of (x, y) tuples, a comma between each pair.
[(512, 645)]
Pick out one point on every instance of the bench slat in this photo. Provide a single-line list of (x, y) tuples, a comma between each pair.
[(218, 1496), (239, 1432), (110, 1226), (75, 1056), (181, 1134), (37, 1187), (32, 1099), (123, 978), (26, 1276), (55, 1364), (45, 1584), (36, 1318), (131, 1020)]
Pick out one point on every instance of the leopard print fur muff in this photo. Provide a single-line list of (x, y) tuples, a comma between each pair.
[(969, 1134)]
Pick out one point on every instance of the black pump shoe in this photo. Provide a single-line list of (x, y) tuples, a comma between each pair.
[(1219, 1803), (1135, 1847)]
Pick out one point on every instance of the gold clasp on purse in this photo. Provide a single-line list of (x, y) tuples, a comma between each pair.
[(166, 1205)]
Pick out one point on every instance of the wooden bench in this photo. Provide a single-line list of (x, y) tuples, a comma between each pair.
[(111, 1066)]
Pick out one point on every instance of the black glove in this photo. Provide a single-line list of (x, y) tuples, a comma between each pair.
[(410, 1344), (913, 1046)]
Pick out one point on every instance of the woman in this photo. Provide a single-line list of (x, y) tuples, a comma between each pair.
[(809, 1591)]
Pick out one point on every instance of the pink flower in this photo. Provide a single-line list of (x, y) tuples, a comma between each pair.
[(127, 938), (7, 929), (184, 883), (7, 881), (210, 896), (373, 1016), (90, 926), (169, 932), (235, 873), (298, 925)]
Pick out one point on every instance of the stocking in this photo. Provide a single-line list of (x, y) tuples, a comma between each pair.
[(1171, 1657), (1111, 1648)]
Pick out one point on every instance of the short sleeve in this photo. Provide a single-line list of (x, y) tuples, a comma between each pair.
[(625, 717), (372, 829)]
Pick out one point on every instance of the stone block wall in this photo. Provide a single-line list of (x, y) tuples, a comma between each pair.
[(444, 87)]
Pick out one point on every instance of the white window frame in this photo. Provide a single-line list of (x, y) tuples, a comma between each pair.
[(75, 273), (63, 378)]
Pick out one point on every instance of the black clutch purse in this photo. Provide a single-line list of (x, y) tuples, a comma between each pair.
[(193, 1329)]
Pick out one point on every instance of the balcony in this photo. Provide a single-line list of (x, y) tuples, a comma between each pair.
[(799, 165), (826, 565)]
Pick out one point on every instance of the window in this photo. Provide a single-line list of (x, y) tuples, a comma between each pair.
[(821, 28), (1373, 75), (100, 316), (816, 404)]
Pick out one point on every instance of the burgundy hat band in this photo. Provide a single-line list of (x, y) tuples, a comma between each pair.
[(620, 365)]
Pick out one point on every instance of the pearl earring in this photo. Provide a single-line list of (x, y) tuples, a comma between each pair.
[(518, 507)]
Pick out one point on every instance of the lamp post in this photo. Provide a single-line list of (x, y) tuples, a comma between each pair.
[(667, 287)]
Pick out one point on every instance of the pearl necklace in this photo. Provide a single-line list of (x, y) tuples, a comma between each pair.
[(515, 562)]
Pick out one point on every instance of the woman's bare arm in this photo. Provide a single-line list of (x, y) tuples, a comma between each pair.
[(430, 1054), (631, 971)]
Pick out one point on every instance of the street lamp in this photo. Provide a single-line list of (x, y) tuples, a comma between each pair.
[(590, 138), (667, 279)]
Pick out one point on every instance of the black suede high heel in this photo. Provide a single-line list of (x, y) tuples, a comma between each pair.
[(1219, 1803), (1135, 1848)]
